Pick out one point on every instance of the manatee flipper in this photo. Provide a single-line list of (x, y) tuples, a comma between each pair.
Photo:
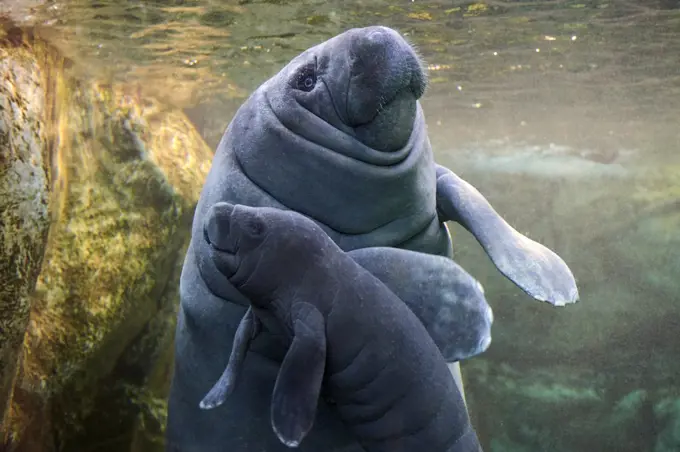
[(531, 266), (247, 330), (297, 388), (447, 300)]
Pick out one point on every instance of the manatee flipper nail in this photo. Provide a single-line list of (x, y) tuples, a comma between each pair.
[(531, 266), (297, 388), (248, 329)]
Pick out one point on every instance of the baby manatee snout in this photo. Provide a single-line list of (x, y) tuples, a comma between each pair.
[(216, 229)]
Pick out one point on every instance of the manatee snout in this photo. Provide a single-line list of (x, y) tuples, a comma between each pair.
[(383, 66), (217, 226), (386, 80), (381, 57), (218, 232)]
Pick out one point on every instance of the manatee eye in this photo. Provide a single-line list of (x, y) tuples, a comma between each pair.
[(306, 78)]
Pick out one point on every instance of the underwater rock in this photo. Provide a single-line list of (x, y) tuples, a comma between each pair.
[(126, 173), (24, 213), (135, 392)]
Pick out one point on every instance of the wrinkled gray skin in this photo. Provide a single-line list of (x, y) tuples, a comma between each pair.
[(353, 154), (345, 332)]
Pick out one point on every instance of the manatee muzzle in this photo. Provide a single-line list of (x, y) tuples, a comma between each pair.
[(383, 67), (386, 80), (217, 228)]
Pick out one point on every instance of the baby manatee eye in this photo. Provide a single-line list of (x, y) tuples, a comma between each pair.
[(306, 78)]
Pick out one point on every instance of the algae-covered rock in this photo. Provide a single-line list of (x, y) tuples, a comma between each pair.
[(24, 195), (151, 417), (134, 394), (126, 174)]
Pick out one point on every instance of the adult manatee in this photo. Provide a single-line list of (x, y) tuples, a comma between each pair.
[(339, 136)]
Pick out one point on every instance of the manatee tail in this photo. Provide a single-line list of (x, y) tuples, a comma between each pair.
[(247, 330)]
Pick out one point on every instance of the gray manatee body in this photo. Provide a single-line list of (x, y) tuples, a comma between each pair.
[(339, 136), (345, 330)]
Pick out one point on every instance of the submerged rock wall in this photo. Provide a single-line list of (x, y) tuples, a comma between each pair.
[(24, 196), (120, 175)]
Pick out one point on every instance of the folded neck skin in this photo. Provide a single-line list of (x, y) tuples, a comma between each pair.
[(345, 117)]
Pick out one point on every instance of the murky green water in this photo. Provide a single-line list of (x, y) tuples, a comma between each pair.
[(497, 67), (548, 107)]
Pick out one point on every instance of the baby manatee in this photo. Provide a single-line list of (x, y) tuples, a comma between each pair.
[(346, 331)]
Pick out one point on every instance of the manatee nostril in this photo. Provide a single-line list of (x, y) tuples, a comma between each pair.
[(376, 35), (206, 235), (223, 209)]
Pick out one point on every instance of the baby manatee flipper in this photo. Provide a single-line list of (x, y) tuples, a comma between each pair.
[(531, 266), (247, 330), (297, 388)]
